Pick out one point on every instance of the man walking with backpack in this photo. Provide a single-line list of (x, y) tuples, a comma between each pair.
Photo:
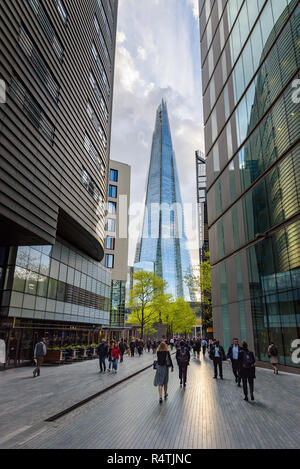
[(183, 359), (247, 370), (273, 355), (40, 351)]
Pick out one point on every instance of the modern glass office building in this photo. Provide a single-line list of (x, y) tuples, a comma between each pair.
[(163, 240), (57, 63), (202, 205), (251, 69)]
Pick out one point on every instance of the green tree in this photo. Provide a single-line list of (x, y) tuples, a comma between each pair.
[(144, 299), (200, 278), (182, 317)]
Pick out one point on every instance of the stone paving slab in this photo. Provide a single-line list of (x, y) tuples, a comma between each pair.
[(25, 401), (208, 414)]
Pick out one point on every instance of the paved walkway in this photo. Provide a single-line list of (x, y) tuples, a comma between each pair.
[(26, 401), (208, 414)]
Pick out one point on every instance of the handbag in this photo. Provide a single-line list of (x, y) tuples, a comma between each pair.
[(155, 365), (169, 363)]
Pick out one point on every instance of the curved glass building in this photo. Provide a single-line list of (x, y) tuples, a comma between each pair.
[(163, 240), (251, 70)]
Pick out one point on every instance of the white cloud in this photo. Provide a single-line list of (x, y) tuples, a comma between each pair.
[(142, 54), (160, 59)]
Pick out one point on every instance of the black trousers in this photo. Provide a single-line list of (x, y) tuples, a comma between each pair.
[(218, 363), (236, 370), (102, 364), (204, 350), (246, 380), (183, 372)]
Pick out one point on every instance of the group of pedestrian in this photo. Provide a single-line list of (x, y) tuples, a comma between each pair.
[(112, 352), (242, 361)]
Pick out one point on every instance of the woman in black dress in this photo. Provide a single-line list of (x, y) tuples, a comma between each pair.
[(164, 362)]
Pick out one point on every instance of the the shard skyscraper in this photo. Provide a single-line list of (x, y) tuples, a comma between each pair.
[(163, 240)]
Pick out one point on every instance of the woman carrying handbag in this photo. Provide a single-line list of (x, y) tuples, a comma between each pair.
[(164, 362)]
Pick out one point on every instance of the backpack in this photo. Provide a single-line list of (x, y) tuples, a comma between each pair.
[(273, 351), (247, 360), (183, 355)]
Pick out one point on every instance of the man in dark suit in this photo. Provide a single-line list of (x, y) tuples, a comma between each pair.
[(247, 370), (233, 356), (217, 354)]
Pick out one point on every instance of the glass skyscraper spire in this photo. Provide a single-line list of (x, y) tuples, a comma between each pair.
[(163, 240)]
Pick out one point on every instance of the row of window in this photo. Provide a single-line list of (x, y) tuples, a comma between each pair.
[(101, 69), (105, 20), (96, 123), (100, 35), (34, 284), (90, 148), (32, 53), (264, 90), (61, 10), (31, 109), (253, 56), (47, 27), (99, 95), (90, 185), (271, 139), (273, 200)]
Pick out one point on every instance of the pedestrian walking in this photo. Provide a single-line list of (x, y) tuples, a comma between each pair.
[(198, 348), (40, 351), (148, 345), (122, 348), (172, 342), (102, 351), (115, 355), (183, 357), (204, 346), (247, 370), (154, 346), (132, 347), (233, 357), (273, 355), (217, 354), (140, 347), (164, 362)]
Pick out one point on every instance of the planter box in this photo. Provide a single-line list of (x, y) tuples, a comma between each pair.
[(54, 356)]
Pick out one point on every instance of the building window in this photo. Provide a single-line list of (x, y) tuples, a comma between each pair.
[(110, 243), (101, 69), (111, 225), (114, 175), (61, 10), (100, 35), (112, 208), (90, 148), (104, 17), (99, 95), (36, 60), (113, 191), (47, 27), (96, 124), (109, 261), (31, 109), (90, 185)]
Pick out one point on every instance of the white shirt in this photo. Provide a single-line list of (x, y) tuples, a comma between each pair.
[(235, 352)]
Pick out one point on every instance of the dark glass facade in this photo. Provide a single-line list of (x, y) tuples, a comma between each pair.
[(251, 67)]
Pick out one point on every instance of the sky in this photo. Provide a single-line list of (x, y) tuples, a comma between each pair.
[(158, 57)]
